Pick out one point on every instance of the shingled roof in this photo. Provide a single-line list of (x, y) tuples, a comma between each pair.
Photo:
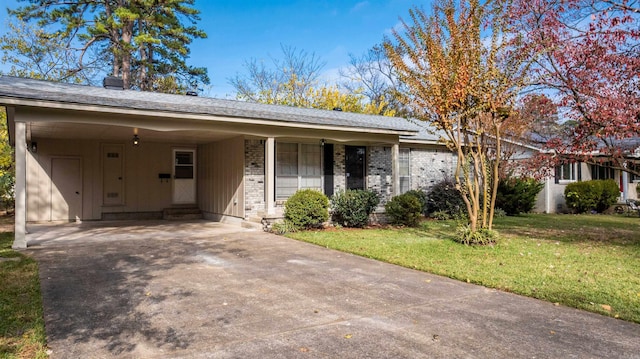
[(16, 88)]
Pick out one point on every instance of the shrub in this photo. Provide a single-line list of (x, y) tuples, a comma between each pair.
[(444, 197), (517, 195), (499, 213), (307, 208), (594, 195), (482, 236), (404, 209), (421, 196), (609, 196), (441, 215), (351, 208)]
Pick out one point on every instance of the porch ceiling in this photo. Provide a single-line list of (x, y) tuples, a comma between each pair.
[(82, 131)]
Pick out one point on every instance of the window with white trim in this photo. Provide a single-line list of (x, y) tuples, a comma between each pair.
[(298, 166), (567, 172), (404, 160)]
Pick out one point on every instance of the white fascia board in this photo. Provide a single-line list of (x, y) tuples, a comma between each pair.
[(194, 116)]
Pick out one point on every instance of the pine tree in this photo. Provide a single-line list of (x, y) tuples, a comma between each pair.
[(146, 41)]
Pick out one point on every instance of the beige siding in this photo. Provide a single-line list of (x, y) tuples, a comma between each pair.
[(39, 183), (144, 192), (221, 177)]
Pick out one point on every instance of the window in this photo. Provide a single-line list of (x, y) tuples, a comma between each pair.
[(601, 172), (567, 172), (404, 160), (298, 166)]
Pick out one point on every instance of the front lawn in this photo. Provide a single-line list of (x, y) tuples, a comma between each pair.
[(589, 262), (22, 333)]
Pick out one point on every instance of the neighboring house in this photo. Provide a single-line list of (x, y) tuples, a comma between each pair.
[(578, 171), (91, 153)]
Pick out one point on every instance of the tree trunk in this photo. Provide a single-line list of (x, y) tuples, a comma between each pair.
[(127, 36)]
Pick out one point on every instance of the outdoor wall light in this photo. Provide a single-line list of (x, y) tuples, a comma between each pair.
[(322, 142), (34, 147), (136, 140)]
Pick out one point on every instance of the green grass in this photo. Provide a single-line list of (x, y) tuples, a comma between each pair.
[(589, 262), (22, 333)]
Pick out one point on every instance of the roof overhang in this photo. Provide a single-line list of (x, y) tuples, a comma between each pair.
[(180, 117)]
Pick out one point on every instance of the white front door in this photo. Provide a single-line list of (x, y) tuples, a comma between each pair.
[(112, 175), (184, 176)]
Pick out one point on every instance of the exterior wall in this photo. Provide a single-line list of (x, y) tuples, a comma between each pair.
[(339, 172), (379, 173), (39, 184), (254, 177), (555, 197), (143, 190), (221, 177), (430, 166)]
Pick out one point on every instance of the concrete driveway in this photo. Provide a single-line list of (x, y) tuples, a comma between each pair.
[(206, 290)]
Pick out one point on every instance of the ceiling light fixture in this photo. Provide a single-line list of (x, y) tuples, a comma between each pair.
[(136, 140)]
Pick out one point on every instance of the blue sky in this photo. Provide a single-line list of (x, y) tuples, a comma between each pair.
[(240, 30)]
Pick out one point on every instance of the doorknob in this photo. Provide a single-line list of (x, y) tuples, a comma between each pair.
[(77, 192)]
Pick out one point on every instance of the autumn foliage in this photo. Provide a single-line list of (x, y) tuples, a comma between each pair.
[(462, 77), (587, 59)]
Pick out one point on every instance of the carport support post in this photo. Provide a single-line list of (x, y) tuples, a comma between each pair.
[(395, 169), (20, 239), (270, 175)]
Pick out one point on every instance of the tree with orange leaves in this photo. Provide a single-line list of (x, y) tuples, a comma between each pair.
[(462, 79)]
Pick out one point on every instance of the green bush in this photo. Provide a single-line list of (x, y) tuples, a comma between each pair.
[(499, 213), (482, 236), (351, 208), (307, 208), (404, 209), (610, 195), (517, 195), (444, 197), (421, 196), (594, 195)]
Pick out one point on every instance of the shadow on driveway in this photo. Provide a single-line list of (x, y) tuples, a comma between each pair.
[(206, 290)]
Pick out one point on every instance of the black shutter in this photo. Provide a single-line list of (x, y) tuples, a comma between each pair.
[(557, 174), (328, 169)]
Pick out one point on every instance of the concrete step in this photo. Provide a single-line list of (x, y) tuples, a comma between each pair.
[(181, 214)]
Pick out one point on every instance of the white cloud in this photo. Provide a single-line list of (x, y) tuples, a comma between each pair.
[(398, 27), (359, 6)]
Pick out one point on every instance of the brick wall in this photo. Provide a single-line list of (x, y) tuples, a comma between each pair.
[(379, 173), (254, 177), (339, 174), (430, 166)]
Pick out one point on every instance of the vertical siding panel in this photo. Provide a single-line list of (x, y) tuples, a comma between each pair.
[(221, 179)]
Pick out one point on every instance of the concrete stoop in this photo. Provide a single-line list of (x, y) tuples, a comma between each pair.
[(181, 214)]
